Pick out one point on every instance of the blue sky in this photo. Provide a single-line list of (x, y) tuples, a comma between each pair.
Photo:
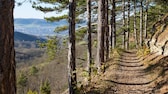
[(26, 11)]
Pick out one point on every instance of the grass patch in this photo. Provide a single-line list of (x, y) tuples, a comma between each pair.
[(144, 51), (116, 52)]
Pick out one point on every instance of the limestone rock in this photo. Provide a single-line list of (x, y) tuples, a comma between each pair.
[(159, 41)]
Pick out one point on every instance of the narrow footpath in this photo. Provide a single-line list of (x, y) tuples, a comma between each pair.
[(130, 75)]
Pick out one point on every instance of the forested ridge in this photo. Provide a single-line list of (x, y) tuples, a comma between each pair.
[(121, 48)]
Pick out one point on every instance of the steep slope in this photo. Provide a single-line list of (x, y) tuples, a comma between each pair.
[(159, 41)]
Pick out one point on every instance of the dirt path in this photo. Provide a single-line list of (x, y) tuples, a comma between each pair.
[(131, 76)]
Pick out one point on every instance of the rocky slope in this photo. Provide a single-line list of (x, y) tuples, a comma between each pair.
[(159, 41)]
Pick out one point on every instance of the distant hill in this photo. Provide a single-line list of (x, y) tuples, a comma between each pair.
[(18, 36), (40, 27), (37, 27)]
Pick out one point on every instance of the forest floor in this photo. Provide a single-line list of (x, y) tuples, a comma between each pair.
[(130, 73)]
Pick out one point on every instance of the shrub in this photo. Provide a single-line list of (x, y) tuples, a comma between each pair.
[(32, 92), (22, 80), (45, 87), (33, 70), (143, 51)]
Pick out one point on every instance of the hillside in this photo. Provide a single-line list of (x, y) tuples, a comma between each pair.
[(26, 47), (18, 36), (127, 69), (26, 41)]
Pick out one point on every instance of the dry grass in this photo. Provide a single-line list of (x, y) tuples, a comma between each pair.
[(99, 83), (55, 71)]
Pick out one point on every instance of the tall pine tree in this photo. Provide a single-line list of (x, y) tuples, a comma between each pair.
[(89, 50), (7, 53), (100, 34), (72, 80)]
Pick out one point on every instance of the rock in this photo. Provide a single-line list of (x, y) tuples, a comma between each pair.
[(159, 41)]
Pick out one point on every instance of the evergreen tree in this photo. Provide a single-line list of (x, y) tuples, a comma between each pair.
[(161, 7)]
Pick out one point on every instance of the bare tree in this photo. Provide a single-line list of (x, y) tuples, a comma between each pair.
[(71, 53), (7, 53)]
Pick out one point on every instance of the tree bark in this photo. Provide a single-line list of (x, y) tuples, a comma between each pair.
[(113, 24), (141, 24), (146, 19), (135, 27), (100, 32), (89, 50), (128, 25), (7, 53), (71, 53), (124, 31), (111, 27), (107, 31)]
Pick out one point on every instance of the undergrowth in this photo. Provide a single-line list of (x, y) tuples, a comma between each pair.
[(144, 51)]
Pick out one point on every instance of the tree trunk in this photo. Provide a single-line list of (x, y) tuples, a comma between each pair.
[(89, 50), (124, 31), (7, 53), (103, 31), (71, 53), (135, 28), (146, 19), (107, 31), (113, 24), (100, 34), (141, 24), (111, 27), (128, 26)]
